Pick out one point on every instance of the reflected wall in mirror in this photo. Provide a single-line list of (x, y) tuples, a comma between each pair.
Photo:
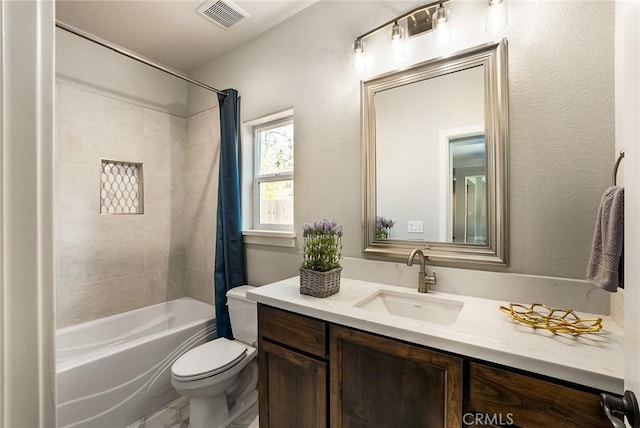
[(434, 159)]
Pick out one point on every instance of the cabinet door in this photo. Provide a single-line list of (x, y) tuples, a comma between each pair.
[(528, 402), (379, 382), (293, 389)]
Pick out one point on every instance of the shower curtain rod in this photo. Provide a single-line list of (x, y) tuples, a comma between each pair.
[(121, 51)]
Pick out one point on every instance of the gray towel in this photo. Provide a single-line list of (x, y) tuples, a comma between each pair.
[(605, 264)]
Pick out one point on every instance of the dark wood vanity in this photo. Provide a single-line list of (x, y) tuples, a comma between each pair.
[(315, 373)]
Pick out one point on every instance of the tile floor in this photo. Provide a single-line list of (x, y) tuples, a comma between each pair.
[(176, 415)]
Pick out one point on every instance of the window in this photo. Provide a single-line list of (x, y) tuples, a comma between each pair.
[(273, 175)]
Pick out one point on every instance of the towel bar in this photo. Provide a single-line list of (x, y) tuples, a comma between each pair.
[(615, 167)]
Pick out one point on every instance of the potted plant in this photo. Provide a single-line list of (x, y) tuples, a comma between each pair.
[(383, 227), (322, 251)]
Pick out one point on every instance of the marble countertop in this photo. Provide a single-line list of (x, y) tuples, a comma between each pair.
[(481, 331)]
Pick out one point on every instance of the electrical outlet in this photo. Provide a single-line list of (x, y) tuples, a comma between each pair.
[(415, 226)]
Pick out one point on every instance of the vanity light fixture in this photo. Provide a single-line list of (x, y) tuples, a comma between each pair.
[(442, 28), (497, 16), (418, 21), (397, 41), (396, 32), (359, 60)]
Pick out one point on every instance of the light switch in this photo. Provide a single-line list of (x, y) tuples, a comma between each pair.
[(415, 226)]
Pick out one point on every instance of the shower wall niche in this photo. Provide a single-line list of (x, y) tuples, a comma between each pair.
[(121, 187)]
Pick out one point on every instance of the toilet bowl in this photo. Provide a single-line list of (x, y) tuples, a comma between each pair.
[(220, 377)]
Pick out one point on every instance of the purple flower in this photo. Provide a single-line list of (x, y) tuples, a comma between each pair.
[(326, 226), (322, 247), (384, 222)]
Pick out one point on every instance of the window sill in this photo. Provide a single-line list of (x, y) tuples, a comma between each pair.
[(274, 238)]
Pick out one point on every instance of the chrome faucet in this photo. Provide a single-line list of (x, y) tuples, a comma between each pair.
[(424, 280)]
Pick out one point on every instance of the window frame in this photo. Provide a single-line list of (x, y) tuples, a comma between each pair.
[(269, 178)]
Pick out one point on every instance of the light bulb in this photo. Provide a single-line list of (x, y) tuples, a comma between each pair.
[(359, 60), (442, 37), (497, 16), (397, 41)]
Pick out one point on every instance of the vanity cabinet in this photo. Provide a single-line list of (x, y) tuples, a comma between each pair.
[(380, 382), (315, 374), (292, 370), (526, 401)]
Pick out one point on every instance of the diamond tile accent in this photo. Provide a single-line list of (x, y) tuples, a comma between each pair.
[(121, 187)]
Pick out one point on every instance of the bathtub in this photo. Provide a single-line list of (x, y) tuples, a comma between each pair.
[(116, 370)]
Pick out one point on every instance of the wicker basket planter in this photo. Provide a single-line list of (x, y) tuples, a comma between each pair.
[(319, 284)]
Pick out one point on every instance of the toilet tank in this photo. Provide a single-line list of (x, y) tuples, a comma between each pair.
[(243, 315)]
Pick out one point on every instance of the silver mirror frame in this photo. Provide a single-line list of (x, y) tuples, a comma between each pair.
[(493, 56)]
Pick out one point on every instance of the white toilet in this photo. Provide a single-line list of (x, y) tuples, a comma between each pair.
[(220, 377)]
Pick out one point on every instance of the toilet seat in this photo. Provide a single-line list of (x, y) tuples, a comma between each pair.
[(209, 359)]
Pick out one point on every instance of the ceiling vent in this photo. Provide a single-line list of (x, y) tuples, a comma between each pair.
[(225, 13)]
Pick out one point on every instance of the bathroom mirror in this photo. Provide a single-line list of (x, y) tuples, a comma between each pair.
[(434, 148)]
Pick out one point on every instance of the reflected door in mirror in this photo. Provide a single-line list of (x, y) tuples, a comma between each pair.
[(467, 195)]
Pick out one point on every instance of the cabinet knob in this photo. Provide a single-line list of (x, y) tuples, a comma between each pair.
[(617, 408)]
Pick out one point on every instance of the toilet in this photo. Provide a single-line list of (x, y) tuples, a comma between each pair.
[(220, 377)]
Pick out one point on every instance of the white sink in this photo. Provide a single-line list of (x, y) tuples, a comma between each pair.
[(421, 307)]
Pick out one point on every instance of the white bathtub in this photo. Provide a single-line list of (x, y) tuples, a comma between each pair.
[(114, 371)]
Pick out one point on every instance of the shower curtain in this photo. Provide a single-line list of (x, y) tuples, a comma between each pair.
[(229, 268)]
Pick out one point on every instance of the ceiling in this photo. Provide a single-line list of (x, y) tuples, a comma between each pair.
[(170, 31)]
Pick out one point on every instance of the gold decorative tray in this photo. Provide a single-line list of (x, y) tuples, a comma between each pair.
[(556, 320)]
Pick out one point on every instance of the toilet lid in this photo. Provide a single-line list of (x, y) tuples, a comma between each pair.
[(208, 359)]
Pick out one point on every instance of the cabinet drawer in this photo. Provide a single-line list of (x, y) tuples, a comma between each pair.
[(532, 402), (297, 331)]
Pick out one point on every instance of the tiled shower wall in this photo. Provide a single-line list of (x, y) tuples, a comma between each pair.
[(201, 196), (107, 264)]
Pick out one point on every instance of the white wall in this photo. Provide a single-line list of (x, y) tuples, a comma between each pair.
[(561, 118), (102, 71)]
